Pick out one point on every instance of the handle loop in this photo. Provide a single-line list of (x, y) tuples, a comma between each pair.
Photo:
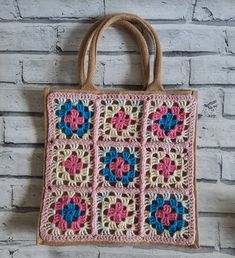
[(135, 33), (156, 84)]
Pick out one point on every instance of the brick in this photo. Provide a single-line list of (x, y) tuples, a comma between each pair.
[(21, 36), (24, 129), (175, 71), (208, 165), (209, 102), (230, 33), (154, 10), (7, 10), (55, 251), (21, 161), (229, 103), (173, 38), (228, 164), (126, 70), (54, 69), (212, 10), (17, 226), (122, 70), (10, 68), (217, 197), (4, 252), (26, 192), (61, 9), (214, 133), (190, 38), (227, 233), (5, 193), (208, 231), (212, 70), (69, 36), (1, 130), (18, 100)]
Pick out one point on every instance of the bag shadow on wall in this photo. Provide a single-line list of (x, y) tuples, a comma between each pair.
[(26, 188)]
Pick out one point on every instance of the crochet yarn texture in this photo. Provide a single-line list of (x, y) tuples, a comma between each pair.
[(119, 168)]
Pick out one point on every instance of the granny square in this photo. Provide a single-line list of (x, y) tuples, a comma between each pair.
[(120, 119), (117, 214), (167, 167), (120, 168), (126, 159)]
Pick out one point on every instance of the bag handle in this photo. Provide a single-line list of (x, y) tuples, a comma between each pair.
[(157, 78), (135, 33)]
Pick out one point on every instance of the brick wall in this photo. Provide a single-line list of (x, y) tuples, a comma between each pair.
[(39, 40)]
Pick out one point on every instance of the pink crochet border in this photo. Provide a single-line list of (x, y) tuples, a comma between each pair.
[(142, 237)]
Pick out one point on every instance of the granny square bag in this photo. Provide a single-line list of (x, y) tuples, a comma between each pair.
[(119, 165)]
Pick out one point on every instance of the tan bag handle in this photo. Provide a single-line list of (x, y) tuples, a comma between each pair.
[(135, 33), (157, 78)]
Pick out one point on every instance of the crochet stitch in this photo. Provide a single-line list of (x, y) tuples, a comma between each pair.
[(168, 121), (73, 164), (74, 119), (167, 167), (167, 214), (119, 168), (70, 164), (117, 214), (69, 212), (120, 119)]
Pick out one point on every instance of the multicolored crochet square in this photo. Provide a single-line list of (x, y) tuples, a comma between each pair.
[(119, 168)]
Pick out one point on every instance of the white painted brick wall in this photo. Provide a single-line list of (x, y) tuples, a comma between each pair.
[(216, 198), (213, 10), (153, 10), (210, 102), (10, 228), (228, 166), (19, 36), (212, 70), (48, 252), (7, 10), (1, 130), (6, 194), (10, 68), (229, 103), (21, 161), (24, 129), (216, 133), (39, 41), (185, 38), (26, 193), (227, 233), (63, 69), (21, 100), (208, 165), (230, 32), (61, 9)]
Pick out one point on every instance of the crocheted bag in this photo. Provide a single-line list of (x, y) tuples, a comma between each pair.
[(120, 165)]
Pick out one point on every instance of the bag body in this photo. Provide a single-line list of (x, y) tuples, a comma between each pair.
[(119, 165)]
